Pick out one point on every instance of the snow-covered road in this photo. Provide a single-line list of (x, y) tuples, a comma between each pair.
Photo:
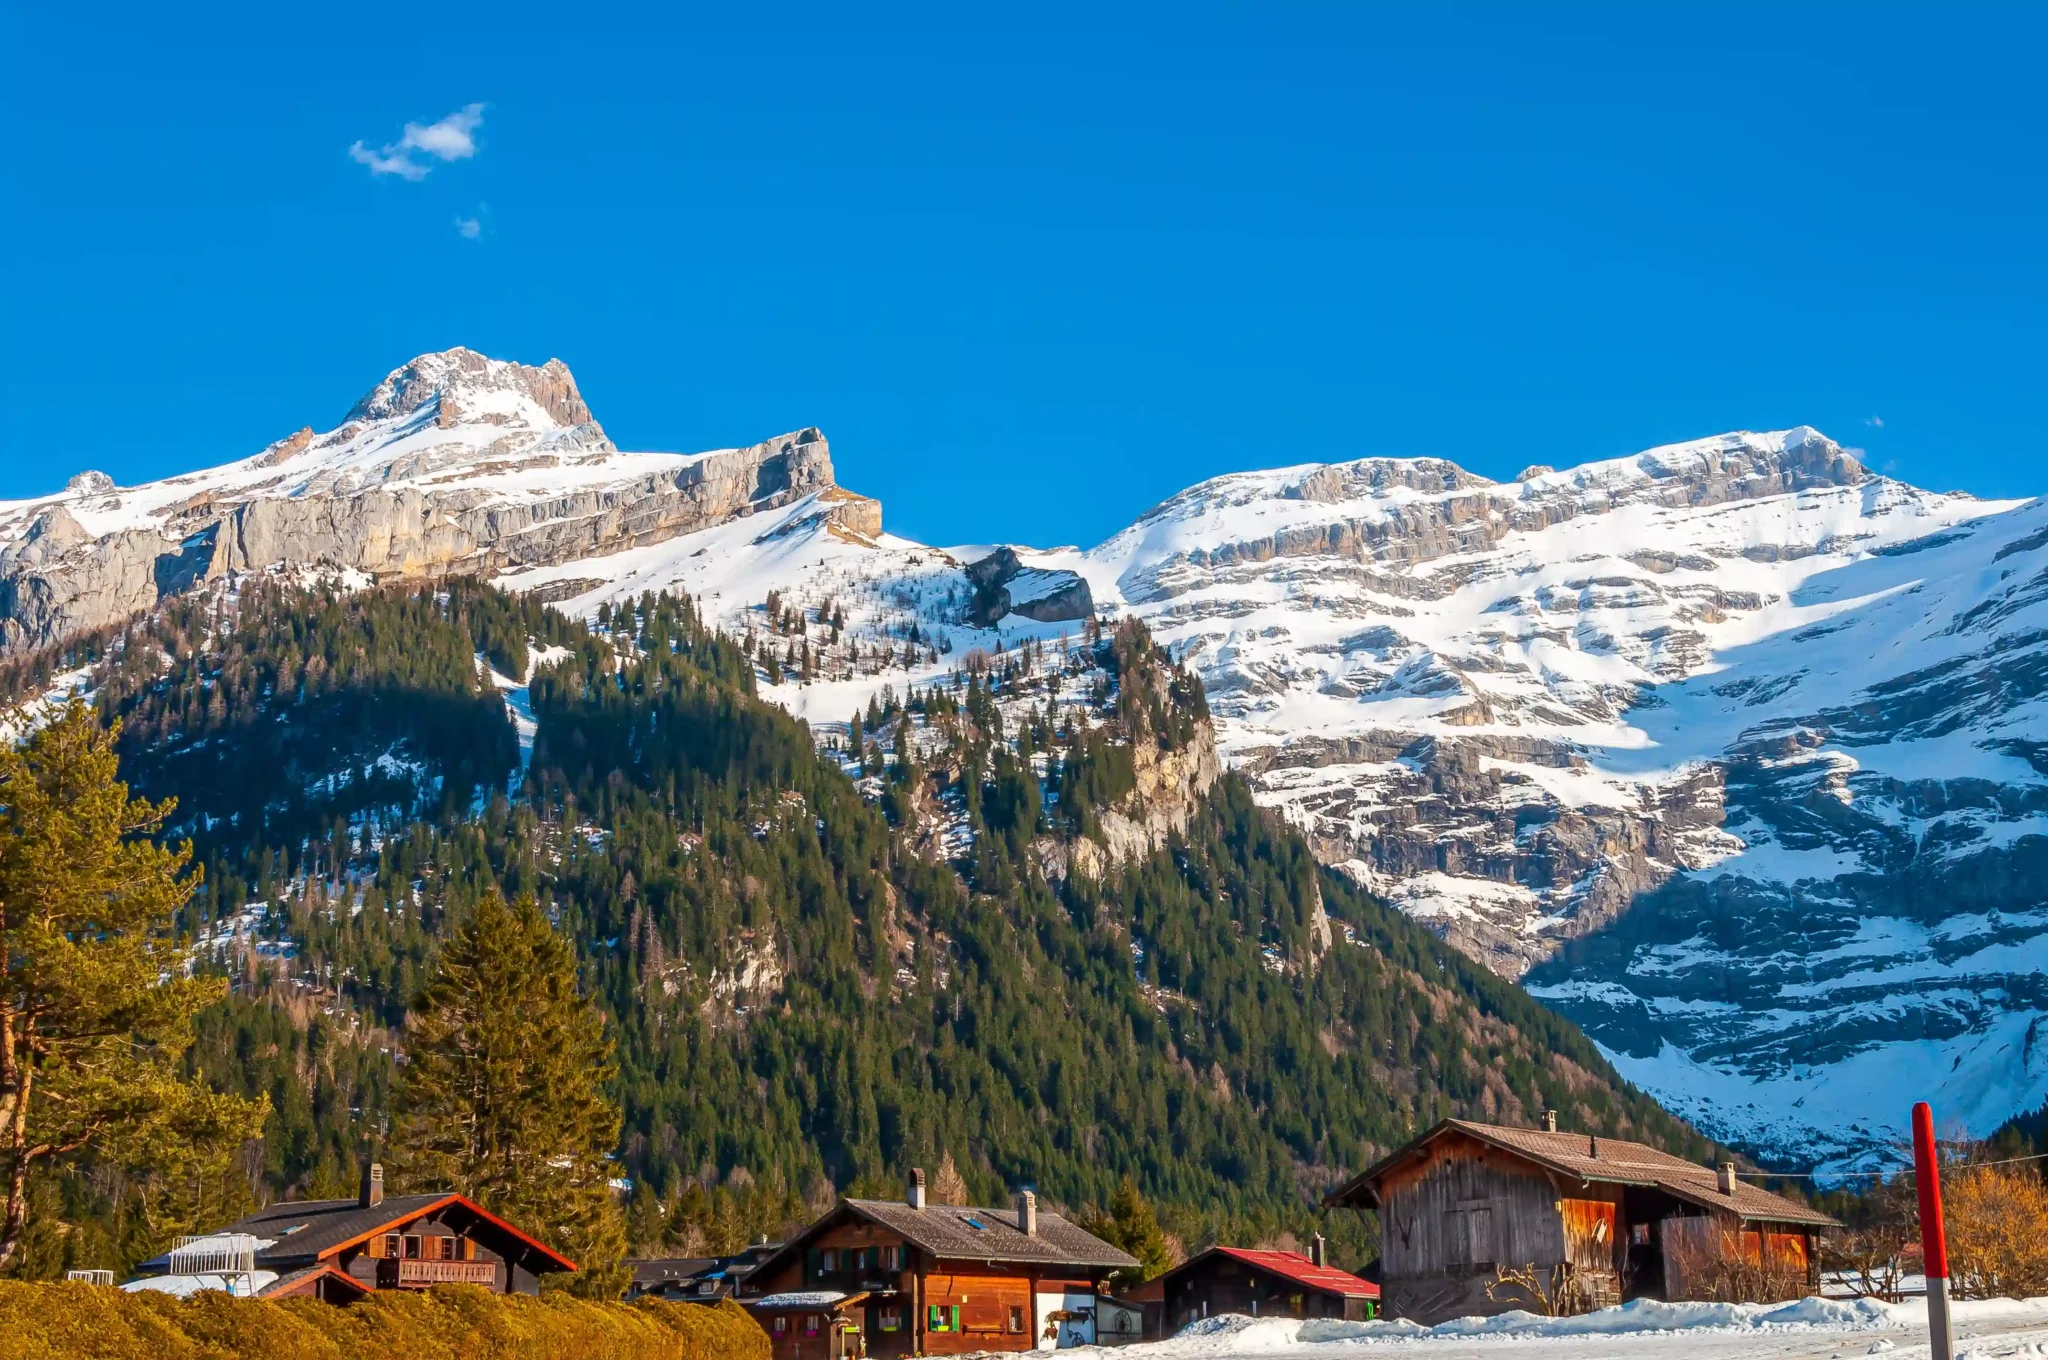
[(1810, 1330)]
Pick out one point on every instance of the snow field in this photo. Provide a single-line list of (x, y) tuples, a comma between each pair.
[(1643, 1330)]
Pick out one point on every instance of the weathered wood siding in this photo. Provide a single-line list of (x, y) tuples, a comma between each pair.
[(1464, 1210), (1697, 1247), (1464, 1214)]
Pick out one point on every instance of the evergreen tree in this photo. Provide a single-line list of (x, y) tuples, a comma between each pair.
[(95, 1005), (503, 1093), (1131, 1225)]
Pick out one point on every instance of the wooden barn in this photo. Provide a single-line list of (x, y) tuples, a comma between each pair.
[(1479, 1218), (1263, 1284), (888, 1278)]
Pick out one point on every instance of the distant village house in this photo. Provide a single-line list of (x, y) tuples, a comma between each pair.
[(889, 1278), (341, 1249), (1480, 1218), (694, 1279)]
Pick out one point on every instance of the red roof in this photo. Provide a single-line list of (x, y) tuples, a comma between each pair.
[(1302, 1271)]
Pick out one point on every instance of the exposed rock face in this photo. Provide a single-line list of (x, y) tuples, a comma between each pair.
[(1170, 785), (454, 462), (1456, 832), (1738, 745), (1735, 751), (1003, 585)]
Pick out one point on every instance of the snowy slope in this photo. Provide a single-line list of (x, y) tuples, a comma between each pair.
[(1734, 750), (1783, 707)]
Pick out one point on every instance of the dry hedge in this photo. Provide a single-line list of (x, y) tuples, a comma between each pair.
[(450, 1322)]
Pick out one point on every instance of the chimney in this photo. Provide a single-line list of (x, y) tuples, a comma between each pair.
[(1027, 1213), (1592, 1146), (1318, 1252), (372, 1193), (916, 1197), (1727, 1178), (1550, 1121)]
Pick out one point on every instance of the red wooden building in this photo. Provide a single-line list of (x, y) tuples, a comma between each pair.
[(1263, 1284), (889, 1278), (400, 1242)]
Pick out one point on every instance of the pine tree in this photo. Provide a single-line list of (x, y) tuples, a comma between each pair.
[(95, 1004), (502, 1097), (1130, 1224)]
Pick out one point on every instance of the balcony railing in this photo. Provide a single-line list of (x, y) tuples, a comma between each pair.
[(420, 1274)]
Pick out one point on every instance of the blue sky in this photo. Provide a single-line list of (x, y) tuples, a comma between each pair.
[(1034, 269)]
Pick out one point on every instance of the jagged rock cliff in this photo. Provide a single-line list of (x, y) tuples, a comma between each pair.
[(1738, 745), (454, 462)]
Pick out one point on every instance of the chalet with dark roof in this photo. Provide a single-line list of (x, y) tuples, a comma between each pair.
[(380, 1242), (889, 1278), (1263, 1284), (1584, 1220), (694, 1279)]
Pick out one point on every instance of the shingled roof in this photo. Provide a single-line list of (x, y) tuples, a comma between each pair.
[(1597, 1160), (955, 1233), (305, 1232)]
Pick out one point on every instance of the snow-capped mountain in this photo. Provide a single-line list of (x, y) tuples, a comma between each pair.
[(454, 462), (1739, 746)]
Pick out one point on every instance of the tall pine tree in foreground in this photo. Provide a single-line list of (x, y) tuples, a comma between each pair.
[(502, 1093), (96, 1005)]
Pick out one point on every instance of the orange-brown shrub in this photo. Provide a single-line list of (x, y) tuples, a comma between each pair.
[(1997, 1232), (453, 1322)]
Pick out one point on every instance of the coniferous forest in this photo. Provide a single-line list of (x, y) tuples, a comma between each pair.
[(810, 986)]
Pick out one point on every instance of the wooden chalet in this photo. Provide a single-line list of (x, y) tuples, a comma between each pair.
[(889, 1278), (375, 1242), (1263, 1284), (694, 1279), (1589, 1220)]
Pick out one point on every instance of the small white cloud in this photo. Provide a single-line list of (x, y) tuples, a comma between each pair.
[(451, 139), (1874, 422), (469, 228)]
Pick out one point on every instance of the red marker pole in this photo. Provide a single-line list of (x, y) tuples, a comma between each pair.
[(1933, 1236)]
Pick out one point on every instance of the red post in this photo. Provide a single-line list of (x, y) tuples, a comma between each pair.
[(1933, 1234)]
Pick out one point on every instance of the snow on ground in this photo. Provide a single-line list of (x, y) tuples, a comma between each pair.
[(519, 701), (1645, 1330)]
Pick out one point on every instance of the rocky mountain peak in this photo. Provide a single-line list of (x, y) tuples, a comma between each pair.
[(1746, 465), (468, 384)]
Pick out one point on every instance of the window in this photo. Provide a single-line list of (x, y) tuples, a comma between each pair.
[(1468, 1234), (828, 1260), (889, 1318), (1016, 1318), (940, 1318), (892, 1258), (412, 1246), (810, 1324), (781, 1325), (391, 1247), (977, 1225)]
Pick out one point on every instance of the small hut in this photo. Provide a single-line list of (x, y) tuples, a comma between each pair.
[(1264, 1284)]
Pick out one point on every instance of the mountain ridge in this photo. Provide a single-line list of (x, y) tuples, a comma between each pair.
[(1632, 724)]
